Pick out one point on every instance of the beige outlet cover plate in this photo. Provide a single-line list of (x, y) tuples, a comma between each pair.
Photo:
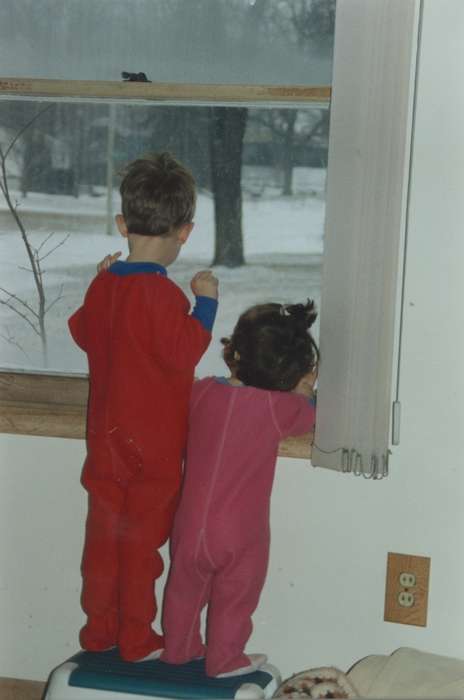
[(420, 567)]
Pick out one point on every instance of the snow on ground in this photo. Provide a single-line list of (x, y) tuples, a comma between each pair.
[(283, 245)]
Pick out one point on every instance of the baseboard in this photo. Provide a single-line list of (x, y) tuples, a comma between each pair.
[(18, 689)]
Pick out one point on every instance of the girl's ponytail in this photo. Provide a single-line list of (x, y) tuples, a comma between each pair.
[(304, 314)]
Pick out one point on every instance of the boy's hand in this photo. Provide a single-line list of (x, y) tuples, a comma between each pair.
[(108, 260), (205, 284), (306, 384)]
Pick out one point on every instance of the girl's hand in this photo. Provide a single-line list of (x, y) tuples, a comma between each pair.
[(205, 284), (306, 384), (108, 260)]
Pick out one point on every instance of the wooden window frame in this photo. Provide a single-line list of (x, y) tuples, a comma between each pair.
[(54, 404), (180, 93)]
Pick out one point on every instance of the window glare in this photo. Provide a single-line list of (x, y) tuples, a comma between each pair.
[(205, 41)]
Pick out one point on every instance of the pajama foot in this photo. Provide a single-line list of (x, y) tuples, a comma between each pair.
[(96, 648), (256, 661), (151, 648), (152, 656), (94, 642)]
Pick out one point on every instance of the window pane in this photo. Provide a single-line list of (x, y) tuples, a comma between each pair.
[(186, 41), (57, 176)]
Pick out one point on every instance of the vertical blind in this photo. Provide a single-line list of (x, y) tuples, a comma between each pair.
[(367, 186)]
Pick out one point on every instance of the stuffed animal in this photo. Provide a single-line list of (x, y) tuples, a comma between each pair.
[(325, 682)]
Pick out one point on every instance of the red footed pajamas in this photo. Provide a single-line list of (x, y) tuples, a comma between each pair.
[(142, 346)]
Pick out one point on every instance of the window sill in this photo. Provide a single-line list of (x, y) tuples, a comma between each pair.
[(54, 405), (51, 405), (188, 92)]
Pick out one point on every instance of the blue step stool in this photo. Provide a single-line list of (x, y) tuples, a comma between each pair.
[(105, 676)]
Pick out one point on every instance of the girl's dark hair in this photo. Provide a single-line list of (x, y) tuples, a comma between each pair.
[(271, 346), (158, 195)]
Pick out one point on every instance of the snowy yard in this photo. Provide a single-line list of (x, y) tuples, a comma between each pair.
[(283, 240)]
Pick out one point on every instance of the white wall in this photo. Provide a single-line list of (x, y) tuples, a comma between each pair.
[(323, 602)]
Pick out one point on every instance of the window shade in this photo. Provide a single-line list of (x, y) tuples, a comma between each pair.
[(372, 107)]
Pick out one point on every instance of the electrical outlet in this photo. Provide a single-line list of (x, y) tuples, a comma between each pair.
[(407, 587), (407, 580), (406, 599)]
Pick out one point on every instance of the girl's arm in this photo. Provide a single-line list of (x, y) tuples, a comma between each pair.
[(293, 413)]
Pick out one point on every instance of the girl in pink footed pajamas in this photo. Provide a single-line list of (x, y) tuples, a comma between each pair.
[(220, 540)]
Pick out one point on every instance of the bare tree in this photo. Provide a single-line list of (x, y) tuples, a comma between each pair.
[(33, 315), (286, 138), (309, 22), (310, 25)]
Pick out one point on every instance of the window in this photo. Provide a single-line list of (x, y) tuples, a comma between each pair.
[(57, 179), (62, 171), (372, 111)]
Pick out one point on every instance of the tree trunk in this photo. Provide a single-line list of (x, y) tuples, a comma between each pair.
[(226, 145), (287, 155)]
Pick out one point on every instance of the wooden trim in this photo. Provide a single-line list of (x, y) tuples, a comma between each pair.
[(55, 405), (163, 92), (299, 447), (43, 404), (47, 419), (18, 689)]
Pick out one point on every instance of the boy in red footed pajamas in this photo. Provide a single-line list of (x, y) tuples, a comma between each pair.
[(220, 539), (142, 346)]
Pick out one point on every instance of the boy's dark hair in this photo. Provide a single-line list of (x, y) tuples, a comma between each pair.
[(158, 195), (271, 346)]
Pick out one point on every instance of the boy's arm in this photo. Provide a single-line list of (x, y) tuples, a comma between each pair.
[(181, 338), (76, 324), (205, 310)]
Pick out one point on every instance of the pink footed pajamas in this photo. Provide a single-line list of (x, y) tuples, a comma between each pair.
[(220, 540)]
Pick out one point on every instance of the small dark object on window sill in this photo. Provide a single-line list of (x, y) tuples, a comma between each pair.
[(134, 77)]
